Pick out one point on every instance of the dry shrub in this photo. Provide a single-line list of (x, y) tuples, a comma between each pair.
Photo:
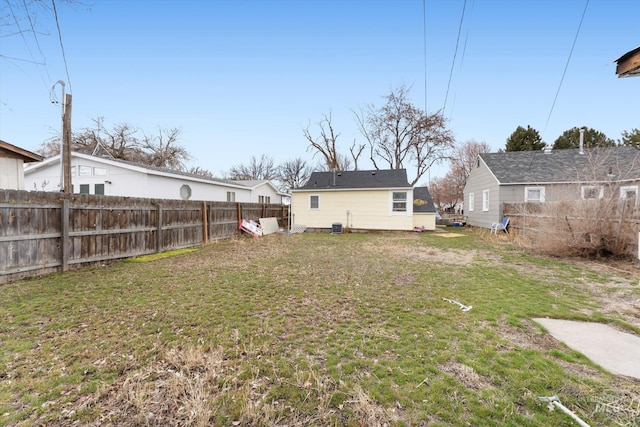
[(584, 228)]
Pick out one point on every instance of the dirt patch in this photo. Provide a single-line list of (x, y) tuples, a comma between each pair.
[(466, 375), (399, 250), (528, 336)]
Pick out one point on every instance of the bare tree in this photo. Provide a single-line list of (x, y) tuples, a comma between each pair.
[(464, 158), (448, 191), (401, 135), (263, 168), (325, 145), (444, 191), (164, 151), (197, 170), (293, 173), (122, 142)]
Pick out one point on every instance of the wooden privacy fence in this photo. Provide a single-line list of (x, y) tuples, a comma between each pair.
[(43, 232)]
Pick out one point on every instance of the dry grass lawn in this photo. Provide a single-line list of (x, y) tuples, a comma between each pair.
[(315, 329)]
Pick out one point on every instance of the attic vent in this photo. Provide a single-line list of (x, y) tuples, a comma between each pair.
[(373, 173), (546, 149), (339, 173)]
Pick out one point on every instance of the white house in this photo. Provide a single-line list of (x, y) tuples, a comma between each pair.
[(12, 160), (263, 191), (100, 175)]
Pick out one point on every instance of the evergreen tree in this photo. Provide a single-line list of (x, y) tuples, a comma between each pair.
[(524, 140), (592, 138), (631, 139)]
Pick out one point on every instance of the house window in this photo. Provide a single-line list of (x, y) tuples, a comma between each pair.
[(534, 194), (85, 170), (84, 188), (399, 201), (267, 199), (73, 171), (260, 199), (314, 201), (99, 189), (485, 200), (99, 171), (591, 192), (472, 201), (231, 196), (629, 192)]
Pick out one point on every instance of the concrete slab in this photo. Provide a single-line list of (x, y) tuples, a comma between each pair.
[(616, 351)]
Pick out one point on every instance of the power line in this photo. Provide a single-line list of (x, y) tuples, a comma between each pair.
[(64, 57), (35, 37), (24, 39), (455, 53), (424, 26), (464, 50), (565, 67)]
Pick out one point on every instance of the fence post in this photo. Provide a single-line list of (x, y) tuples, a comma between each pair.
[(239, 216), (159, 233), (205, 226), (64, 235)]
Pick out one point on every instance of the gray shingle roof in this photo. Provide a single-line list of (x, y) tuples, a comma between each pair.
[(422, 201), (564, 166), (390, 178)]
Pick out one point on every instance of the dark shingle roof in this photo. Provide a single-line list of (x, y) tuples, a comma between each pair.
[(390, 178), (422, 201), (564, 166)]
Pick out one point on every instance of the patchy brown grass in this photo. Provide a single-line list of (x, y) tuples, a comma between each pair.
[(307, 330)]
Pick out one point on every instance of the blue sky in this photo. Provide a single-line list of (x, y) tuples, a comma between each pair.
[(243, 78)]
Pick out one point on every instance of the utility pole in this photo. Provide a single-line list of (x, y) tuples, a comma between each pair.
[(66, 144)]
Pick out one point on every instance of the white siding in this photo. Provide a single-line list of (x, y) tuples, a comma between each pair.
[(356, 209), (426, 220), (11, 174), (131, 182)]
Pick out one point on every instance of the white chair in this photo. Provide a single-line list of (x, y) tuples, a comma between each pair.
[(500, 226)]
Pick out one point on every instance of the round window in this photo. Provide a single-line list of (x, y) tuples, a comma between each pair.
[(185, 192)]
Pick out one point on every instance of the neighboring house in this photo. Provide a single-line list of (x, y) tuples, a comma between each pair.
[(424, 211), (359, 200), (263, 191), (12, 160), (547, 175), (100, 175), (628, 65)]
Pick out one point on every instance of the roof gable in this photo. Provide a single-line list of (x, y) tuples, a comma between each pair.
[(564, 166), (422, 201), (13, 152), (351, 180)]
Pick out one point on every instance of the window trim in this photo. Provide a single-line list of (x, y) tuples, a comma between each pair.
[(625, 189), (590, 187), (537, 188), (317, 197), (394, 201)]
